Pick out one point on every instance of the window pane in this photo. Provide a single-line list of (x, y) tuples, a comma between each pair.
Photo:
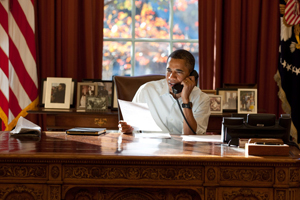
[(152, 19), (185, 19), (117, 19), (191, 47), (151, 58), (151, 22), (116, 59)]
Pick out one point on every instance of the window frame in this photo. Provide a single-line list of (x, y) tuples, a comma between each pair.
[(134, 40)]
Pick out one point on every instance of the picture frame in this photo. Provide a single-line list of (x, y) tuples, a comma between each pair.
[(215, 103), (85, 89), (97, 103), (210, 92), (58, 92), (43, 92), (104, 85), (247, 100), (229, 99)]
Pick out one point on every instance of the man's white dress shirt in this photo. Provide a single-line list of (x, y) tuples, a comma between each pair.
[(165, 110)]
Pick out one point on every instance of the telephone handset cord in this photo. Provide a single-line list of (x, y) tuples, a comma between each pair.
[(184, 117)]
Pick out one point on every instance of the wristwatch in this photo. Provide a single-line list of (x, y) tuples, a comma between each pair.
[(187, 105)]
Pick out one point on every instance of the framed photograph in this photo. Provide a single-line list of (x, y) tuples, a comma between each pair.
[(229, 99), (43, 92), (103, 88), (96, 103), (58, 92), (85, 89), (210, 92), (215, 103), (247, 100)]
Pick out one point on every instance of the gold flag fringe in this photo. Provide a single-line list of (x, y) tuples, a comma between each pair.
[(3, 117), (23, 113), (285, 105)]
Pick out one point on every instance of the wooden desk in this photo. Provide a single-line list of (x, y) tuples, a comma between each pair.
[(115, 166), (58, 119)]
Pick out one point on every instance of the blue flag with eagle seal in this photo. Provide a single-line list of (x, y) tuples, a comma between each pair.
[(288, 74)]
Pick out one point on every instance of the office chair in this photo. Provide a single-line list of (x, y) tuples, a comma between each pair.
[(126, 86)]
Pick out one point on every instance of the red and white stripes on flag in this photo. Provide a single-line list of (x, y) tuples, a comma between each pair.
[(18, 73), (292, 12)]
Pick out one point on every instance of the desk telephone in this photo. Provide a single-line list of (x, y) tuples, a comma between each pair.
[(177, 88)]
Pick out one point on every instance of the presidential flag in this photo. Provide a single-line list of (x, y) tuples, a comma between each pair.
[(288, 74), (18, 73)]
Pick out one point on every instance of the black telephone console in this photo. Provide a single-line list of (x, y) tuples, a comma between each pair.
[(261, 125), (177, 88)]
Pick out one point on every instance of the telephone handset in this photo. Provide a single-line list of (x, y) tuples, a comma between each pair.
[(177, 88)]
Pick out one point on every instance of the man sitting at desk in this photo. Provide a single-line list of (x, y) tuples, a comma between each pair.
[(162, 101)]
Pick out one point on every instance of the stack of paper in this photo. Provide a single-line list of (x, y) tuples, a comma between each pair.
[(202, 138), (25, 126)]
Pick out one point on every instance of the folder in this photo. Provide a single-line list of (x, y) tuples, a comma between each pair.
[(85, 131)]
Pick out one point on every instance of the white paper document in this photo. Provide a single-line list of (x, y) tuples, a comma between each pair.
[(25, 126), (138, 116), (152, 135), (202, 138)]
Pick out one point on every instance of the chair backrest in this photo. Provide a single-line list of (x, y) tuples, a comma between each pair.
[(126, 86)]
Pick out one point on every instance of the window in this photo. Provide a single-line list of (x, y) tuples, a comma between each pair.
[(139, 35)]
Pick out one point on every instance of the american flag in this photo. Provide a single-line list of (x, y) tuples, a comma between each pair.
[(288, 74), (292, 12), (18, 73)]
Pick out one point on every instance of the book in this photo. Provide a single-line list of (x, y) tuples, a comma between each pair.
[(26, 127), (85, 131)]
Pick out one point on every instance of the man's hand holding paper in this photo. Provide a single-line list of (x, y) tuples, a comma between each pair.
[(124, 127), (137, 117)]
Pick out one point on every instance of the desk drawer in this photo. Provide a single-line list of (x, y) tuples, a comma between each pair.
[(92, 120)]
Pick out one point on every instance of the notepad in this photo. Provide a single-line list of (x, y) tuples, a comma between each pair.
[(85, 131)]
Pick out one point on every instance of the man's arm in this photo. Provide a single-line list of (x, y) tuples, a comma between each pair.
[(188, 85), (188, 113)]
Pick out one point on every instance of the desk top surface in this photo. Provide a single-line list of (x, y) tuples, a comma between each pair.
[(116, 146)]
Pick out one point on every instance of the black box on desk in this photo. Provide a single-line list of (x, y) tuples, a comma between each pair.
[(256, 126)]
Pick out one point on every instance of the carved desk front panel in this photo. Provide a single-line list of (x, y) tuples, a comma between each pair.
[(117, 166)]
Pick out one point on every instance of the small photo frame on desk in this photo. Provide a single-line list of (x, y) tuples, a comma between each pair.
[(58, 92), (215, 103), (229, 99), (104, 87), (96, 103), (85, 89), (247, 101), (43, 92)]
